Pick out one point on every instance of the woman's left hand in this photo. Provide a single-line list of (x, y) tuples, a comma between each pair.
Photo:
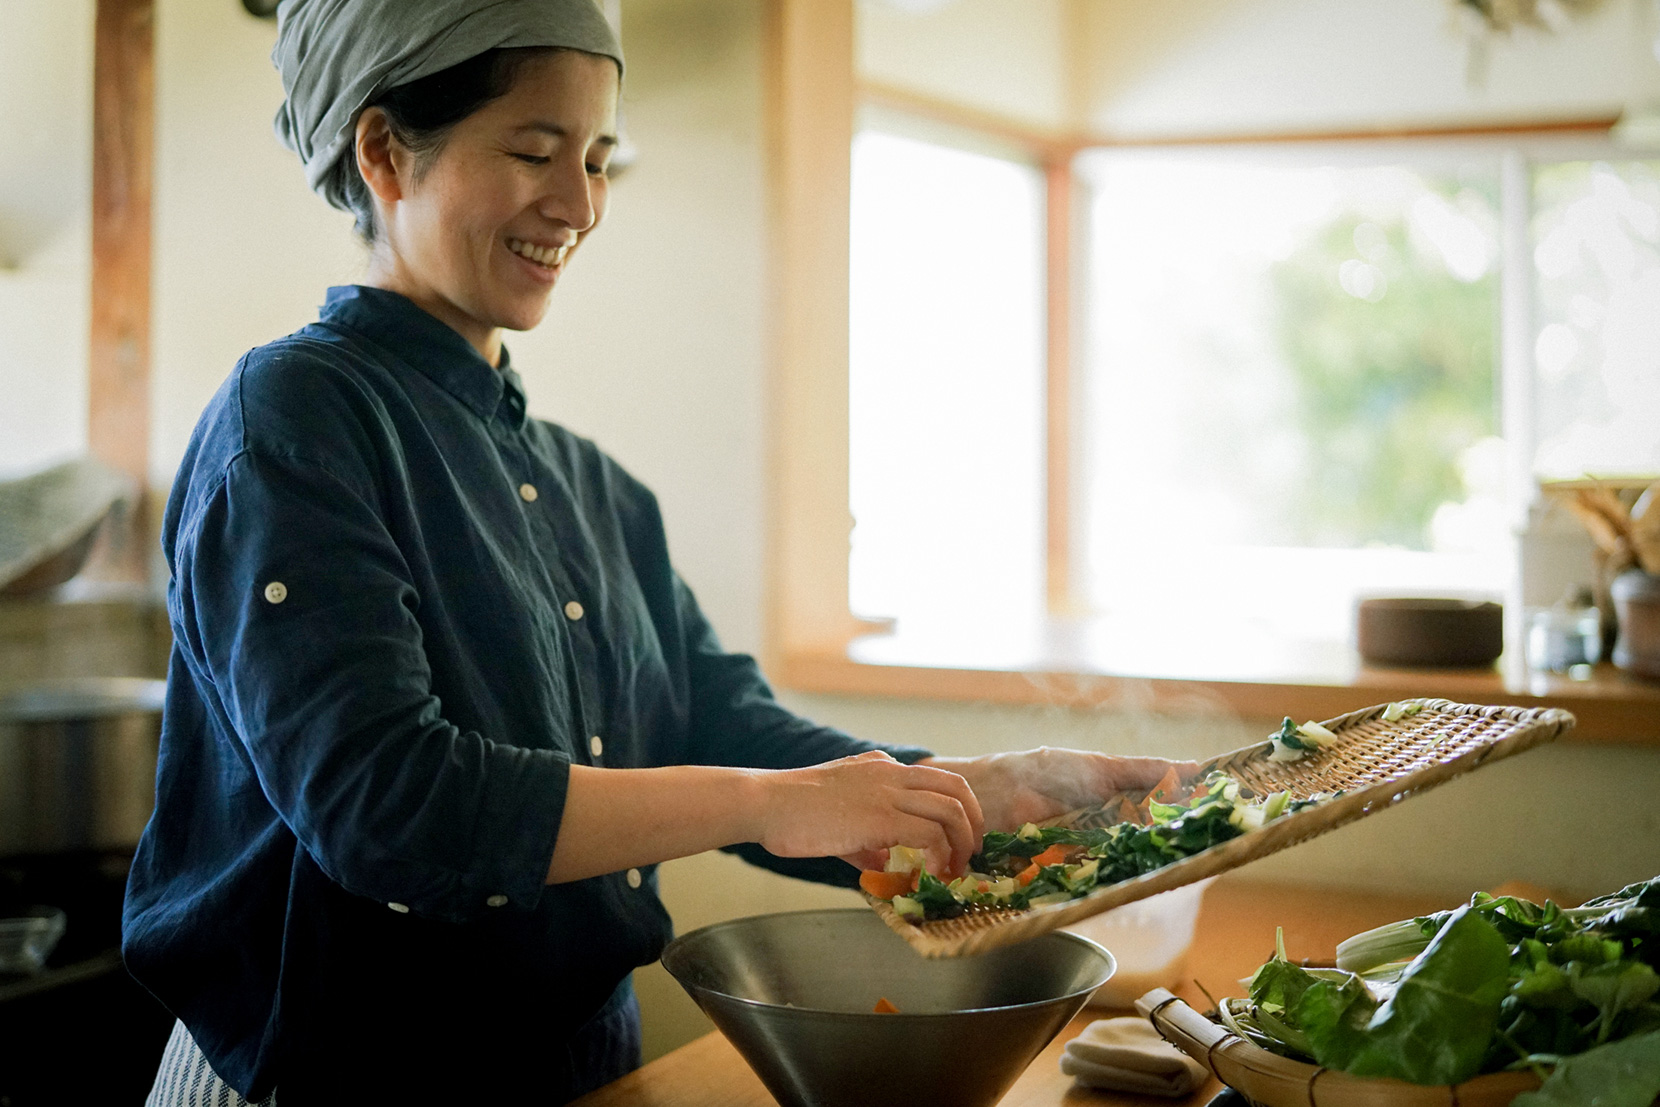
[(1028, 786)]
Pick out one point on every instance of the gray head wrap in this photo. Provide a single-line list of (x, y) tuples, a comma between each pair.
[(336, 56)]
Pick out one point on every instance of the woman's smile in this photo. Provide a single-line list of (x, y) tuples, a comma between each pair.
[(551, 258)]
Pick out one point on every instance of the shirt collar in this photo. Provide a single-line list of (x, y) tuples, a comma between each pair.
[(430, 346)]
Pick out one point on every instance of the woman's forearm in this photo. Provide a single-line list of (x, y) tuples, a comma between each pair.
[(623, 818), (852, 808)]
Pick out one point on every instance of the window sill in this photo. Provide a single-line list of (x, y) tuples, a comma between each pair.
[(1188, 671)]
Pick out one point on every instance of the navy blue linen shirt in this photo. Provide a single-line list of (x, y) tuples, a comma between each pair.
[(401, 611)]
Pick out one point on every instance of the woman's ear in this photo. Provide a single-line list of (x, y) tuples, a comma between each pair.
[(378, 157)]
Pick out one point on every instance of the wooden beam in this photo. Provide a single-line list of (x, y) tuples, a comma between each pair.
[(811, 104), (123, 113), (1058, 418), (1521, 128), (1047, 143)]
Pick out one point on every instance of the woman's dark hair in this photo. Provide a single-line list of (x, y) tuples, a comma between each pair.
[(422, 113)]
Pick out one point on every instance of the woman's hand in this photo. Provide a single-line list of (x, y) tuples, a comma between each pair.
[(857, 807), (1028, 786)]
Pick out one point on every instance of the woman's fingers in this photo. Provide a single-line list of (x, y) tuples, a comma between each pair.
[(859, 806), (951, 784), (944, 819)]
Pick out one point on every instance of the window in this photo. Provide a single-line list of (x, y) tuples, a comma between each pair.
[(1596, 259), (1290, 384), (946, 372), (1290, 387)]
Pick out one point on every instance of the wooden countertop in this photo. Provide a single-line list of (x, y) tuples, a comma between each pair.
[(1235, 934)]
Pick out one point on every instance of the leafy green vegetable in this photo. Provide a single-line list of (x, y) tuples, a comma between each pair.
[(1277, 990), (1620, 1074), (1435, 1028), (1499, 982)]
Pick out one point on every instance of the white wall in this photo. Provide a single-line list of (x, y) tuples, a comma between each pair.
[(243, 250), (45, 224), (1256, 66), (1004, 56)]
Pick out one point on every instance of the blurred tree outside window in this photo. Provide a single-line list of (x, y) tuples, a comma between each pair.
[(1287, 393), (1290, 385), (1596, 260)]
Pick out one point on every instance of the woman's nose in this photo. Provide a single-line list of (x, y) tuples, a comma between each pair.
[(569, 199)]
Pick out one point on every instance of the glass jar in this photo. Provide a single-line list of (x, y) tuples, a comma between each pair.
[(1566, 638)]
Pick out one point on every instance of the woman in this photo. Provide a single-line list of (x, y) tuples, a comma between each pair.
[(438, 703)]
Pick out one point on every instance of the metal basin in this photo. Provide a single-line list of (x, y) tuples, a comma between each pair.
[(78, 764), (794, 993)]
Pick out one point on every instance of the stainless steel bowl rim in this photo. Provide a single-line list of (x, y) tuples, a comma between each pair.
[(1110, 964)]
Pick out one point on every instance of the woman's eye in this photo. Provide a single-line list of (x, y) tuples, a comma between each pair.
[(532, 159), (596, 170)]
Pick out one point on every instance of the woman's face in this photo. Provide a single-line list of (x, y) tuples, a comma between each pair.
[(481, 238)]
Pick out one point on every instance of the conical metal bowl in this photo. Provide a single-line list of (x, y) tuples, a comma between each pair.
[(795, 994)]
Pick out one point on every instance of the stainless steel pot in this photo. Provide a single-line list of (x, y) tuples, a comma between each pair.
[(78, 764)]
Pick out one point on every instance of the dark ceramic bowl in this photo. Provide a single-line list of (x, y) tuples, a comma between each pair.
[(1429, 633)]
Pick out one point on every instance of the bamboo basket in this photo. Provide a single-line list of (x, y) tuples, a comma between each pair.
[(1268, 1080), (1375, 764)]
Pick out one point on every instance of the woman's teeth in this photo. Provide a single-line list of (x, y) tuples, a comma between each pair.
[(548, 256)]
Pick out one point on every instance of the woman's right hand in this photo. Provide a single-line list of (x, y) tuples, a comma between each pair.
[(857, 807)]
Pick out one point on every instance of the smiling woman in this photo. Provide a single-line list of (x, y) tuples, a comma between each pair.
[(439, 703)]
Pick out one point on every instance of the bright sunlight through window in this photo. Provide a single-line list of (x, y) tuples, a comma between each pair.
[(1290, 388), (946, 380), (1596, 255)]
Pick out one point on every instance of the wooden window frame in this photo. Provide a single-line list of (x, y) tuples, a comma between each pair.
[(814, 95)]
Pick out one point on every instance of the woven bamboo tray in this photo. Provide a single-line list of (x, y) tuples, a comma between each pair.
[(1375, 764), (1269, 1080)]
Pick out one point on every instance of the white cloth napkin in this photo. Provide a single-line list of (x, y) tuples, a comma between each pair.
[(1126, 1054)]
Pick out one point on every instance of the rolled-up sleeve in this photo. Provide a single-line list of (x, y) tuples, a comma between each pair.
[(304, 617), (736, 720)]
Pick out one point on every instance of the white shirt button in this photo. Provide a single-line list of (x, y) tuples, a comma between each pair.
[(633, 877), (399, 908), (496, 901), (573, 610), (276, 592), (595, 746), (527, 493)]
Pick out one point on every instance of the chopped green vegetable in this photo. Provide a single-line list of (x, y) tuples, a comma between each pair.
[(1215, 811), (1293, 742), (907, 908), (935, 898), (1398, 711)]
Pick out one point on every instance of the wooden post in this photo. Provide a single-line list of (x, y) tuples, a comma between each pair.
[(1058, 420), (123, 113), (811, 104)]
